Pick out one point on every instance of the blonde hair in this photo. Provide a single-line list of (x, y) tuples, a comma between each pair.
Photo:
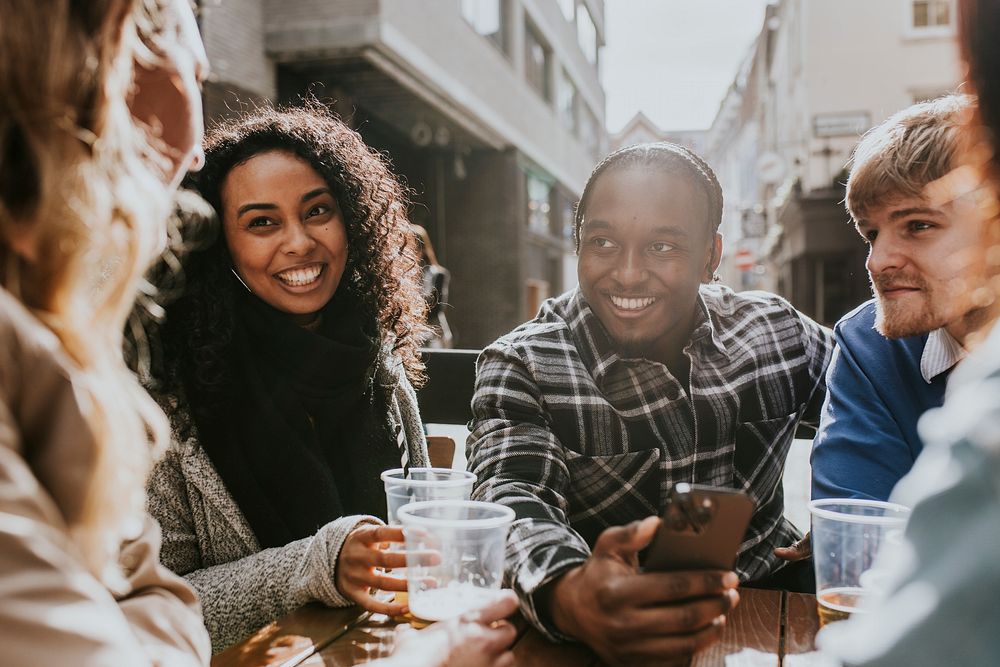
[(906, 152), (79, 177)]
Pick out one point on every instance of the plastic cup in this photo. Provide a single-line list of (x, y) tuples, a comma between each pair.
[(420, 484), (455, 552), (417, 485), (846, 537)]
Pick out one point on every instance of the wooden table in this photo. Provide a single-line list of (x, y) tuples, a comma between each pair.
[(762, 630)]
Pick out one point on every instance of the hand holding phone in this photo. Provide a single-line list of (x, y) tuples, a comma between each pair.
[(702, 528), (607, 603)]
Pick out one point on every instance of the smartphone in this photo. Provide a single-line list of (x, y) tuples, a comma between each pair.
[(702, 529)]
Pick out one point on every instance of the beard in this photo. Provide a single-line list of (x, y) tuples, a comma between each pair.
[(895, 320), (910, 316)]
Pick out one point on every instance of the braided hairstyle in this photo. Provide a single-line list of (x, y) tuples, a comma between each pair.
[(665, 156)]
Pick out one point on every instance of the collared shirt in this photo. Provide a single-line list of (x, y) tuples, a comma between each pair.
[(941, 353), (877, 388), (576, 438)]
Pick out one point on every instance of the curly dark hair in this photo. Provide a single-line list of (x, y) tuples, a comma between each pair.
[(663, 155), (382, 272)]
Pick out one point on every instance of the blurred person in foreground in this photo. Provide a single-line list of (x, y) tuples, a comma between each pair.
[(939, 606), (647, 375), (99, 118), (925, 261)]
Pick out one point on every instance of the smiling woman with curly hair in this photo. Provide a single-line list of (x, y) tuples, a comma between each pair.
[(289, 361)]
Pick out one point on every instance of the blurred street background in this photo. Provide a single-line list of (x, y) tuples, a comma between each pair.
[(495, 111)]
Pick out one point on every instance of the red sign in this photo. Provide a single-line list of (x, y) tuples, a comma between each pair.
[(744, 260)]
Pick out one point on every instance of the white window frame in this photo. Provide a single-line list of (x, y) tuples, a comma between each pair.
[(913, 31), (474, 14)]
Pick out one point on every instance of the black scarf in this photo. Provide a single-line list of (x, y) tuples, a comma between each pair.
[(299, 431)]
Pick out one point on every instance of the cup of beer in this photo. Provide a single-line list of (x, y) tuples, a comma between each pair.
[(403, 486), (455, 553), (846, 536)]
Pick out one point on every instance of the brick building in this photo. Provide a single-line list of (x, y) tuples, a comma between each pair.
[(490, 110)]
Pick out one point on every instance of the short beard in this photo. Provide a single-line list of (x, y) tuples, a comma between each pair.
[(900, 325), (895, 321)]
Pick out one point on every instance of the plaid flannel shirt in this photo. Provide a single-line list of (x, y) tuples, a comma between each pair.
[(576, 438)]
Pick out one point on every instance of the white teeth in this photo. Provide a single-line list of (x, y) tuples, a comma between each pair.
[(300, 277), (632, 304)]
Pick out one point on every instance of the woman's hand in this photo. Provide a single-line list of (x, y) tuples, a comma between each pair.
[(356, 572), (478, 639)]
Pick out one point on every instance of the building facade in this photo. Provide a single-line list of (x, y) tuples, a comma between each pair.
[(641, 130), (818, 76), (491, 111)]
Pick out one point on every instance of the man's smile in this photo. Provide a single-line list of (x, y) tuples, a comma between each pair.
[(631, 304)]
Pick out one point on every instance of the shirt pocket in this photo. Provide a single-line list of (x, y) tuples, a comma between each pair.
[(611, 490), (759, 455)]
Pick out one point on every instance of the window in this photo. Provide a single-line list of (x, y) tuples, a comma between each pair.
[(931, 13), (566, 101), (930, 18), (536, 62), (568, 214), (484, 17), (586, 34), (568, 8), (539, 204)]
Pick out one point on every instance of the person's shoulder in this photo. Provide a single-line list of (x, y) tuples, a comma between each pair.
[(551, 326), (725, 303), (859, 322)]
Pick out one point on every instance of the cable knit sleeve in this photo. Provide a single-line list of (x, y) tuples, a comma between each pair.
[(243, 595), (206, 539)]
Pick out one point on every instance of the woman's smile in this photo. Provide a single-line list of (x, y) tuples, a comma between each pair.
[(301, 277)]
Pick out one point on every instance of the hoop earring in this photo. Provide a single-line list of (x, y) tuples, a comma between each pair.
[(233, 269)]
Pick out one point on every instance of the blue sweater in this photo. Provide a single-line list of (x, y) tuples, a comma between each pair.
[(867, 437)]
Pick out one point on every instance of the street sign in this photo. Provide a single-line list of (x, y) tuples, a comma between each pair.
[(743, 259), (851, 124)]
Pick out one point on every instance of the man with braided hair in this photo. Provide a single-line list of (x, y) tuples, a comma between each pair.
[(647, 375)]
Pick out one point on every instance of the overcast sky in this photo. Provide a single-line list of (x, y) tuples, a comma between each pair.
[(674, 59)]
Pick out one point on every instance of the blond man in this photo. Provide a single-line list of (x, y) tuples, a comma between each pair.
[(895, 352)]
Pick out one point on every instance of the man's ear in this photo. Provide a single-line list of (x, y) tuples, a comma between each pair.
[(714, 259)]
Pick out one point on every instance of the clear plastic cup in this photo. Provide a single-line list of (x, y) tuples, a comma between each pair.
[(455, 553), (419, 484), (846, 537)]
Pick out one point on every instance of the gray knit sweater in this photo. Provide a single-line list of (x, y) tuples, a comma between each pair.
[(207, 539)]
